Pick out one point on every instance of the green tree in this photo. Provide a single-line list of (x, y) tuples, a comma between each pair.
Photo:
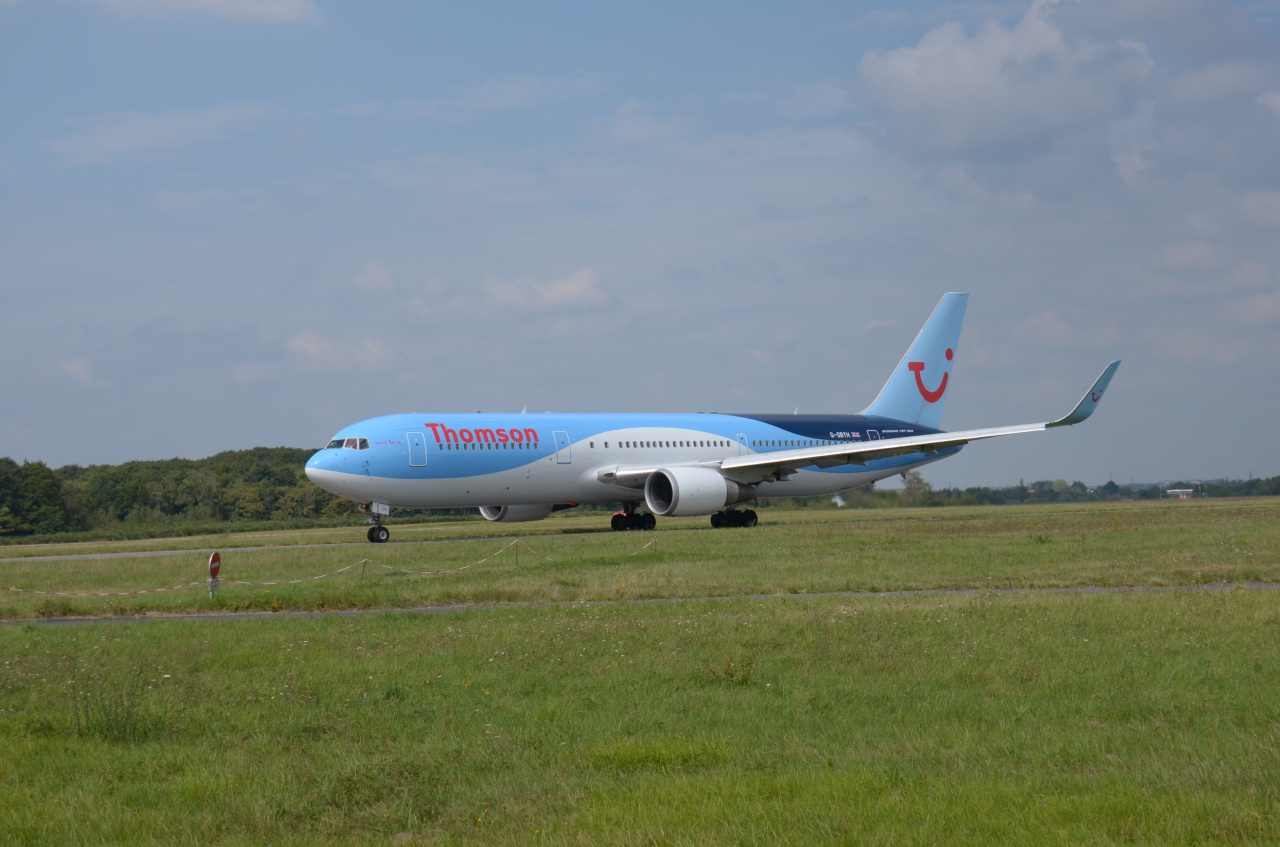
[(10, 477), (915, 489), (40, 502), (245, 503)]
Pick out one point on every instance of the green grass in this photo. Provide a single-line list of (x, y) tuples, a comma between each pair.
[(1031, 718), (573, 559)]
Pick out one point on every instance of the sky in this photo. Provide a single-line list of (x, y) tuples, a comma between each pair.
[(237, 223)]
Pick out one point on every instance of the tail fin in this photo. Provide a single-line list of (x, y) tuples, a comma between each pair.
[(918, 387)]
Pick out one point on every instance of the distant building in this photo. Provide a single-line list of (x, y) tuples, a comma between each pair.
[(1180, 493)]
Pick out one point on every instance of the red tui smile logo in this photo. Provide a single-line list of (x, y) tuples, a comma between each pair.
[(936, 394)]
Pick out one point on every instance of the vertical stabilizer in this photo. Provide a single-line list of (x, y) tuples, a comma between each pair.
[(918, 386)]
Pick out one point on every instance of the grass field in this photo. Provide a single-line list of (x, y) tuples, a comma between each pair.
[(1028, 718), (575, 558)]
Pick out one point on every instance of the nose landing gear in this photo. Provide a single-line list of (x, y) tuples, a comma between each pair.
[(377, 534)]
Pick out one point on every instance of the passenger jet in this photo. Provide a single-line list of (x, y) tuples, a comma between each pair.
[(520, 467)]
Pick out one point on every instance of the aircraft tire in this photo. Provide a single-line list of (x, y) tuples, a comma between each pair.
[(619, 523), (650, 522), (379, 535), (734, 518)]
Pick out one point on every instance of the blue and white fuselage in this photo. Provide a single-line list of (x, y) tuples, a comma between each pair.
[(520, 466), (459, 460)]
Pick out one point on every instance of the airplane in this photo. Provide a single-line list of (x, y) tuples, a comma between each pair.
[(522, 467)]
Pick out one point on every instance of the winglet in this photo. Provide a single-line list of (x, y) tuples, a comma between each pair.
[(1089, 401)]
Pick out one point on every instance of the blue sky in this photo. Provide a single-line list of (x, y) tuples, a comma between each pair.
[(238, 223)]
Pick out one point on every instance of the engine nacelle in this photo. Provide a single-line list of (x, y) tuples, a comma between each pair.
[(516, 514), (684, 492)]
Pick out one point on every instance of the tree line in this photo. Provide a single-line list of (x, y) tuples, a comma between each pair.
[(267, 485), (1060, 491), (249, 486)]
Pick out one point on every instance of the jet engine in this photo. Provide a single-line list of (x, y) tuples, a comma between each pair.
[(516, 514), (683, 492)]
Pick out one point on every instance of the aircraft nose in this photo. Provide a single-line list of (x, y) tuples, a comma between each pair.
[(319, 469), (333, 470)]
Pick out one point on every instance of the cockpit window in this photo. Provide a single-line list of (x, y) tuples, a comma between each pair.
[(349, 443)]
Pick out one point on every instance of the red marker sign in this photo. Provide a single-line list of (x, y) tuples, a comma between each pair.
[(215, 563)]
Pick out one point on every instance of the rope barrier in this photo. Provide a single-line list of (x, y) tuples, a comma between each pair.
[(519, 542), (295, 581), (104, 593), (653, 542)]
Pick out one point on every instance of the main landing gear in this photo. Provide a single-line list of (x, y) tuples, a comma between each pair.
[(734, 517), (629, 518), (378, 534)]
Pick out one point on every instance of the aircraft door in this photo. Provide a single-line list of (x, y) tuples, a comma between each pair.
[(742, 444), (564, 451), (417, 449), (872, 435)]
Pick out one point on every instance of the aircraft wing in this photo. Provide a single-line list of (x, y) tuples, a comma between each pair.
[(758, 467)]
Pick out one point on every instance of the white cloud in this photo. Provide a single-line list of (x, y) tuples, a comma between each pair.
[(116, 137), (1198, 347), (502, 95), (1271, 100), (1261, 309), (1191, 257), (1051, 329), (1002, 88), (280, 11), (1132, 143), (633, 125), (580, 289), (323, 352), (445, 174), (1261, 207), (957, 181), (1218, 82), (248, 373), (79, 369), (374, 278), (818, 100), (208, 199)]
